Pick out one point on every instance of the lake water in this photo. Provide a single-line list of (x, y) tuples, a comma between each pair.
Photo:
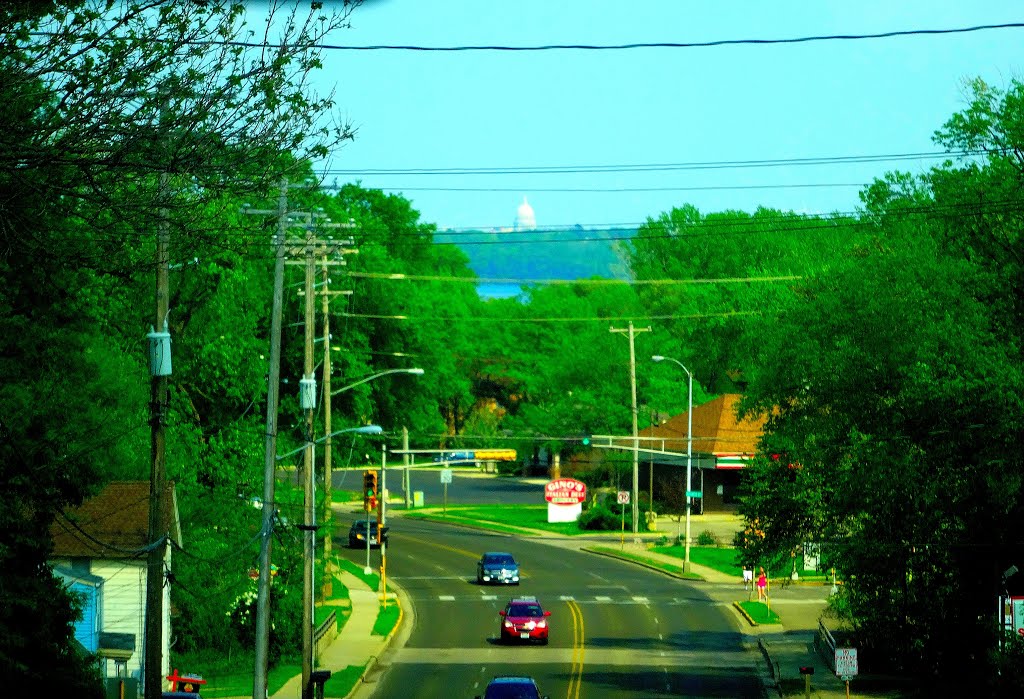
[(497, 290)]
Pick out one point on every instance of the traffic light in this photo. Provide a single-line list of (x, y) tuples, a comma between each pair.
[(369, 490)]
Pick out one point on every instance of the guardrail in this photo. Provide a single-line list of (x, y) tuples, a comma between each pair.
[(325, 632), (825, 642)]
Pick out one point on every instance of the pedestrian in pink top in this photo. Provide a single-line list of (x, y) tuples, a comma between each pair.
[(762, 586)]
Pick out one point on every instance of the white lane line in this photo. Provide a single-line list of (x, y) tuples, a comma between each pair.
[(567, 598), (602, 598), (446, 598), (641, 600)]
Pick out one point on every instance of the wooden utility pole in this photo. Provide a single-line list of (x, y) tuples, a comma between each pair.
[(259, 690), (325, 295), (636, 441), (160, 369), (310, 249)]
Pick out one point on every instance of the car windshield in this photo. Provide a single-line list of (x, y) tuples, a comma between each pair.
[(525, 610), (512, 690), (499, 559)]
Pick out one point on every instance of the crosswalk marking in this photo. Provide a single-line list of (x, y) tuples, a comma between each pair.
[(597, 599)]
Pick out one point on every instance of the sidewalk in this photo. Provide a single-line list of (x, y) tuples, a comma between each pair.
[(355, 644)]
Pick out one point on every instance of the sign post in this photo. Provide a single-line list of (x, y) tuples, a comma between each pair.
[(622, 497), (846, 665), (446, 478)]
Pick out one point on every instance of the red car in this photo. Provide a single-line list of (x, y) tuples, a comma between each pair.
[(524, 619)]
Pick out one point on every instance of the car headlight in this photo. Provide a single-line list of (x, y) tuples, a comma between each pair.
[(509, 624), (542, 624)]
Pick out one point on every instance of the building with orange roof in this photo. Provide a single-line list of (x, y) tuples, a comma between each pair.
[(721, 446)]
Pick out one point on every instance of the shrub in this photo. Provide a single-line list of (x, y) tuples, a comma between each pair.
[(598, 518), (707, 538)]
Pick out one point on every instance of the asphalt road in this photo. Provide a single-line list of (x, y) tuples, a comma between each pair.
[(467, 487), (617, 630)]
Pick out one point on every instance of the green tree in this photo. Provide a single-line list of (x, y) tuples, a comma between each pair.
[(892, 378), (119, 118)]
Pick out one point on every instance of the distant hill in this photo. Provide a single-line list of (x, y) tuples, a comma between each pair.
[(575, 253)]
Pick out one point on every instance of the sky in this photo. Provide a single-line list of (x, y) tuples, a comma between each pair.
[(574, 109)]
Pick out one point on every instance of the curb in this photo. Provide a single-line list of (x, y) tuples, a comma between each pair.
[(634, 561), (743, 613)]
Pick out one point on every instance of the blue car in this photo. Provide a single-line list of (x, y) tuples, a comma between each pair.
[(509, 687), (497, 568)]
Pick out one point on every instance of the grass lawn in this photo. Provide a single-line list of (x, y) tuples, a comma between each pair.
[(372, 580), (233, 676), (724, 560), (387, 619), (759, 612), (342, 681), (640, 558), (501, 518)]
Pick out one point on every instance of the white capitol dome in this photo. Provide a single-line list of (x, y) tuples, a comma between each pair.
[(525, 219)]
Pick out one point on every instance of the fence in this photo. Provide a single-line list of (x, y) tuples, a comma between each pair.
[(325, 633)]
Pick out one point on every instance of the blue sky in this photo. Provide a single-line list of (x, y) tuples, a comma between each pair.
[(485, 109)]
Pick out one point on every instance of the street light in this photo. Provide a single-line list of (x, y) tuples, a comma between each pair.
[(416, 371), (689, 451)]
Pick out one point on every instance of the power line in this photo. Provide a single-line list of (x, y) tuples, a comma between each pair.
[(661, 167), (623, 190), (583, 47)]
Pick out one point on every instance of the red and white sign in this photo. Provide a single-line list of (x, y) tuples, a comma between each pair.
[(565, 491)]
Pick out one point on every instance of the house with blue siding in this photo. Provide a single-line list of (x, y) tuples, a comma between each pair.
[(99, 550)]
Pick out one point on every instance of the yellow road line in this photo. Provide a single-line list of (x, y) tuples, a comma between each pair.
[(576, 668)]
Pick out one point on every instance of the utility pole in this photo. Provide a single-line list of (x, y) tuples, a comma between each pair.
[(636, 441), (309, 249), (326, 294), (259, 690), (160, 369)]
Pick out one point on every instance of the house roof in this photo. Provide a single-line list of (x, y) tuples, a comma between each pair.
[(112, 524), (716, 429)]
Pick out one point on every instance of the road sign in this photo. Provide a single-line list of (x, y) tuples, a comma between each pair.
[(565, 491), (694, 494), (446, 475), (846, 662), (622, 497)]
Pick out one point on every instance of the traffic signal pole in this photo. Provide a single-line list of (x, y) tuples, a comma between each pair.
[(369, 504)]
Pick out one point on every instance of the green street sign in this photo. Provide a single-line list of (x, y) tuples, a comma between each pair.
[(694, 494)]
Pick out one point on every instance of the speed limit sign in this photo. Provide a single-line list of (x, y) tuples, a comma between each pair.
[(622, 497)]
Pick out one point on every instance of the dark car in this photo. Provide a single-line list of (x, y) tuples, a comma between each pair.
[(497, 567), (509, 687), (361, 529), (524, 619)]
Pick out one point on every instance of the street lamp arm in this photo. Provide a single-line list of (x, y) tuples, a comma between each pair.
[(415, 371), (659, 358), (363, 429)]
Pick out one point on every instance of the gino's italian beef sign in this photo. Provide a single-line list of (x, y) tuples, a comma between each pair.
[(565, 491)]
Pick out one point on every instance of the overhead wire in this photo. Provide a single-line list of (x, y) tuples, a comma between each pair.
[(661, 167)]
